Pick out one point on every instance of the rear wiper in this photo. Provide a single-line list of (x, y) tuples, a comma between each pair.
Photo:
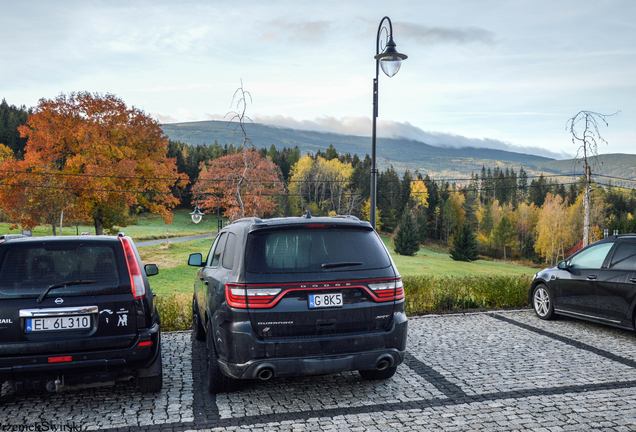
[(340, 264), (63, 285)]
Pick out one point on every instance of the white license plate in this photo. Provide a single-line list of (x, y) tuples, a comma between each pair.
[(58, 323), (325, 300)]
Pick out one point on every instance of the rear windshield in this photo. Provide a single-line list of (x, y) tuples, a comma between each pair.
[(314, 250), (28, 269)]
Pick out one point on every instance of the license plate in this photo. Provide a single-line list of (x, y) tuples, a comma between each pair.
[(325, 300), (58, 323)]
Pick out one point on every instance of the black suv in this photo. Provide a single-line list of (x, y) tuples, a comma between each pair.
[(76, 312), (598, 283), (298, 296)]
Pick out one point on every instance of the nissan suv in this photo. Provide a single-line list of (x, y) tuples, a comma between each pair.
[(76, 312), (298, 296)]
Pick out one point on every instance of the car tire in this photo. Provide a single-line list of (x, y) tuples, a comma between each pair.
[(198, 331), (542, 302), (154, 383), (375, 375), (217, 382)]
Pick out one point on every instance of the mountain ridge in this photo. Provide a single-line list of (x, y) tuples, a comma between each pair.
[(402, 153)]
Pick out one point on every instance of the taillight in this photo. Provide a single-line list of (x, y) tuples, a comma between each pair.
[(388, 290), (240, 296), (136, 279), (267, 296)]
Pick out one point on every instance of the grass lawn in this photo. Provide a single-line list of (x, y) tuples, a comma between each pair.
[(430, 263), (148, 227)]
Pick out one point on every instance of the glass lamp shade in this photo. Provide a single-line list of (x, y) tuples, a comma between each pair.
[(196, 215), (390, 65)]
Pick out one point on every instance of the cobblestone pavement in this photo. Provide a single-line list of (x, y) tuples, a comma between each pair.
[(493, 371)]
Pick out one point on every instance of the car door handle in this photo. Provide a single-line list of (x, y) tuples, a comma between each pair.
[(633, 280), (207, 282), (202, 278), (592, 277)]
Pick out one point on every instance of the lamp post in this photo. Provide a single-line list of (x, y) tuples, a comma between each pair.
[(197, 215), (390, 60)]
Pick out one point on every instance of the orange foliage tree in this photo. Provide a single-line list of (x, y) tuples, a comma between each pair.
[(92, 157), (245, 182)]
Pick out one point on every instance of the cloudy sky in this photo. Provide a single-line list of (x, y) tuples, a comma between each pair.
[(494, 73)]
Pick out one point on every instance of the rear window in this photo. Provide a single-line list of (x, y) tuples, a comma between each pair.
[(28, 269), (314, 250)]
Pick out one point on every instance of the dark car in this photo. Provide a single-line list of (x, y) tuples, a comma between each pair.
[(76, 312), (598, 283), (298, 296)]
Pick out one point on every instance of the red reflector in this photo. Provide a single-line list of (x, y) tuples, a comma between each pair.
[(60, 359), (147, 343)]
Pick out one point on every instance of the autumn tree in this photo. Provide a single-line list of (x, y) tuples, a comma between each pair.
[(245, 182), (552, 230), (322, 186), (92, 157)]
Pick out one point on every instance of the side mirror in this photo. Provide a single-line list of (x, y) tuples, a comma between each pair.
[(563, 265), (195, 260), (151, 269)]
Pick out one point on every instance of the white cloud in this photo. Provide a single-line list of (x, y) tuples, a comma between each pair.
[(362, 126), (163, 119)]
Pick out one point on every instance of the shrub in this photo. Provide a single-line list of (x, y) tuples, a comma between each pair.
[(175, 311), (428, 294)]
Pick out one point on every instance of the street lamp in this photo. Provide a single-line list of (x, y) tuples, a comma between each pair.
[(197, 215), (390, 60)]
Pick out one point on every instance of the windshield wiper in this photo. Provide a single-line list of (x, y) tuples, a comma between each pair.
[(62, 285), (340, 264)]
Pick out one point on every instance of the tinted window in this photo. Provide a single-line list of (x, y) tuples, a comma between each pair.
[(228, 255), (30, 268), (624, 257), (592, 257), (314, 250), (213, 259)]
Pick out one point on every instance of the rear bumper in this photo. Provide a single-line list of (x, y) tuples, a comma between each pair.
[(311, 356), (34, 371), (281, 367)]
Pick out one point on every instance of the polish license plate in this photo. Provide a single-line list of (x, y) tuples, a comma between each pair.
[(76, 322), (325, 300)]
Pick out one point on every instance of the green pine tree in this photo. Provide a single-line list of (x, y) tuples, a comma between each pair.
[(406, 241), (464, 244)]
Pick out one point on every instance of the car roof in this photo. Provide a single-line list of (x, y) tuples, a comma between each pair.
[(307, 219), (17, 238)]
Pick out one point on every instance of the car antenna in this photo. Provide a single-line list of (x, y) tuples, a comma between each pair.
[(307, 215)]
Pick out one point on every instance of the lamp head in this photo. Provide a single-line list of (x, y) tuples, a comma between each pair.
[(196, 215), (390, 59)]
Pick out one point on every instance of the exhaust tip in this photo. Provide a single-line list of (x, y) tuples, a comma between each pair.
[(265, 374), (383, 364)]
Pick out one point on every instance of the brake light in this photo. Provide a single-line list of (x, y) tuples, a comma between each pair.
[(61, 359), (388, 290), (240, 296), (136, 279)]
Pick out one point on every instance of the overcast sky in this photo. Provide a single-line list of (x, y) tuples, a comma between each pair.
[(503, 74)]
